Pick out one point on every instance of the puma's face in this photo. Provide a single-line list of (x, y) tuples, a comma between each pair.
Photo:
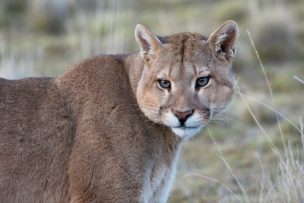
[(186, 78)]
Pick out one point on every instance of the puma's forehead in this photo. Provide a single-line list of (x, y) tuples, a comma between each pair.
[(186, 46), (183, 38), (183, 54)]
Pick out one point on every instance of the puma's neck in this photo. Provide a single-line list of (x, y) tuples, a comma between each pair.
[(134, 66)]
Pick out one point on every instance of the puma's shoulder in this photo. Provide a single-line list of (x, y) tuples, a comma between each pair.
[(104, 78)]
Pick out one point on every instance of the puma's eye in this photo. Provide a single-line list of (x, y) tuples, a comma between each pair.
[(202, 82), (165, 84)]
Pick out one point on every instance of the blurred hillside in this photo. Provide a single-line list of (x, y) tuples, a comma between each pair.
[(46, 37)]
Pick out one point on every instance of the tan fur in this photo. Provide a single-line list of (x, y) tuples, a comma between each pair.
[(98, 132)]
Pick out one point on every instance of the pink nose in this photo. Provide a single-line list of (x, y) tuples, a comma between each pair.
[(183, 115)]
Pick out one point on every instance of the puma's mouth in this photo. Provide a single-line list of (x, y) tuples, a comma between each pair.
[(184, 131)]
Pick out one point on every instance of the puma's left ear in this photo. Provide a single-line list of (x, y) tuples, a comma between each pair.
[(147, 41), (224, 39)]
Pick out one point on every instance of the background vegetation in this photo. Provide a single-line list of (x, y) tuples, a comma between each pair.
[(252, 153)]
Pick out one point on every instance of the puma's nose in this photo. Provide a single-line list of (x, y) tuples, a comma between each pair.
[(183, 115)]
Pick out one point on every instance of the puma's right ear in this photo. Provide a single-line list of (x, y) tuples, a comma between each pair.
[(147, 41), (224, 39)]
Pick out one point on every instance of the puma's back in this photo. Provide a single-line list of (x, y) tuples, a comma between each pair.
[(110, 128), (33, 158)]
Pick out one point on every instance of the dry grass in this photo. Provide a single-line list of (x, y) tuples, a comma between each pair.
[(256, 153)]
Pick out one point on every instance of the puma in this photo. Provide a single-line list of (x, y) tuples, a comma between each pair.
[(110, 128)]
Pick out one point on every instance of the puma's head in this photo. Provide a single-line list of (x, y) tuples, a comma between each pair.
[(187, 78)]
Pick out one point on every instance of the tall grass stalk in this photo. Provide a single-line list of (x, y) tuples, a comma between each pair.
[(288, 182), (268, 84), (222, 157), (208, 178), (247, 97), (299, 79)]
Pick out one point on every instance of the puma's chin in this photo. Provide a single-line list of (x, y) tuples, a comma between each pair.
[(186, 132)]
